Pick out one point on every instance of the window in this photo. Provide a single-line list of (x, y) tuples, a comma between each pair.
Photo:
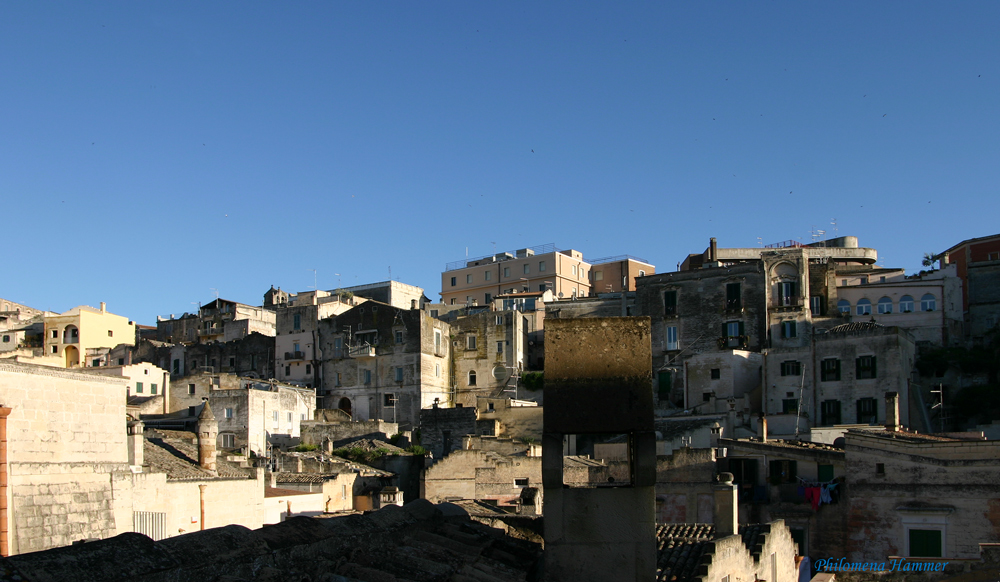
[(454, 281), (506, 271), (789, 329), (228, 441), (487, 298), (716, 373), (527, 268), (191, 410), (470, 342), (864, 307), (6, 339), (844, 306), (790, 406), (232, 362), (389, 400), (830, 370), (274, 417), (498, 320), (55, 334), (864, 279), (289, 418), (905, 304), (574, 269), (867, 411), (706, 396), (598, 275), (297, 321), (437, 370), (734, 301), (783, 472), (111, 333), (787, 293), (865, 367), (468, 278), (829, 412), (138, 387), (96, 363), (924, 543), (733, 328), (229, 413), (121, 361), (817, 305), (541, 266), (522, 482), (308, 368), (152, 388), (472, 377), (487, 275), (288, 370), (672, 338), (399, 337), (55, 349), (399, 373), (880, 468), (434, 312), (499, 347), (928, 303), (191, 388), (670, 302), (885, 305), (368, 376), (437, 339), (642, 273), (791, 368)]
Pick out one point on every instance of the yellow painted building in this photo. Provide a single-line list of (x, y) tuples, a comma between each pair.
[(83, 331)]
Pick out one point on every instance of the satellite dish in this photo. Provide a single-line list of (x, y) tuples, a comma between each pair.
[(499, 373)]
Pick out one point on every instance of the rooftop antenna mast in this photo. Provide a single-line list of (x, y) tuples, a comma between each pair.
[(215, 290), (833, 221), (314, 279)]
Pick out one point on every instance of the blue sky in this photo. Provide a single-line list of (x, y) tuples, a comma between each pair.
[(151, 153)]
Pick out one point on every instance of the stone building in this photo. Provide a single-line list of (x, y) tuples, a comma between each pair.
[(490, 351), (962, 255), (260, 415), (917, 495), (21, 328), (144, 380), (841, 377), (251, 356), (219, 320), (385, 363), (983, 279), (297, 355), (83, 336)]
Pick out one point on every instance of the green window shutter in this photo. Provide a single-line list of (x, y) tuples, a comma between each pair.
[(725, 329), (925, 543), (824, 473), (741, 329)]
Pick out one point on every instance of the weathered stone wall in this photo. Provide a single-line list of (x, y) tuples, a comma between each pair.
[(66, 437), (684, 486), (521, 422), (946, 484), (442, 429), (314, 432), (453, 477), (500, 342)]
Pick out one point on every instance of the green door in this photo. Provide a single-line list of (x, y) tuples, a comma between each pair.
[(824, 473), (925, 543)]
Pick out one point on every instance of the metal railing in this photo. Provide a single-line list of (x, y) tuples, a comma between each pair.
[(365, 350)]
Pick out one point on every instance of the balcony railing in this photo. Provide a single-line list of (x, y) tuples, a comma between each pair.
[(364, 350), (295, 355), (782, 301), (215, 330), (733, 342)]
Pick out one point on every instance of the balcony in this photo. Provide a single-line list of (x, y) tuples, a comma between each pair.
[(214, 330), (362, 351), (290, 356), (733, 342), (785, 303)]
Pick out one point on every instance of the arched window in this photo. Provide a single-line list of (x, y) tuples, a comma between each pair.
[(928, 303), (905, 304), (885, 305), (864, 307), (844, 306), (472, 377)]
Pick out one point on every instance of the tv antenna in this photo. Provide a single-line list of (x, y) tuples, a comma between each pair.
[(314, 279)]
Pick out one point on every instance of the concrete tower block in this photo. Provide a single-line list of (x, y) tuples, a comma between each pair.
[(208, 432)]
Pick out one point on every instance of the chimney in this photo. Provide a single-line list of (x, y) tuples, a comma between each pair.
[(892, 411), (726, 506), (272, 480), (713, 250), (716, 429), (763, 428), (135, 443), (208, 432), (104, 307)]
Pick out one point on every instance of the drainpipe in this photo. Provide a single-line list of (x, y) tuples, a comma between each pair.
[(201, 498), (4, 514)]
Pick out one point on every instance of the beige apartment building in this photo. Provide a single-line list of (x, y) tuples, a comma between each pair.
[(83, 335), (545, 267)]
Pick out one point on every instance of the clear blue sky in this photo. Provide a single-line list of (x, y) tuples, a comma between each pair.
[(153, 151)]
